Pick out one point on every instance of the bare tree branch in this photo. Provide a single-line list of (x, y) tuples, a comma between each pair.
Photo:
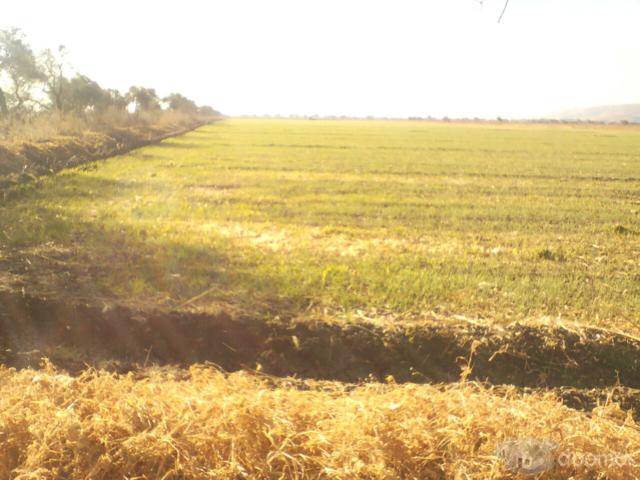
[(506, 4)]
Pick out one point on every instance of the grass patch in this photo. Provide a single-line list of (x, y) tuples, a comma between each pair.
[(622, 230), (548, 254)]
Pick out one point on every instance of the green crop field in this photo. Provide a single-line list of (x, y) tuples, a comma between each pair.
[(340, 219)]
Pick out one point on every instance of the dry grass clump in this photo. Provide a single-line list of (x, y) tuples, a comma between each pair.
[(202, 424)]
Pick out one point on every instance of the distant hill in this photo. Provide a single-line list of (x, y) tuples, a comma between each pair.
[(606, 113)]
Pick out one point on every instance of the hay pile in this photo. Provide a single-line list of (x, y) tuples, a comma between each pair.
[(201, 424)]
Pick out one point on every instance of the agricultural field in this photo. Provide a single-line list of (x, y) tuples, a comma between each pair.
[(382, 281), (399, 219)]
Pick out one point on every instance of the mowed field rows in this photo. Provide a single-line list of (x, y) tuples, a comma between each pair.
[(382, 219)]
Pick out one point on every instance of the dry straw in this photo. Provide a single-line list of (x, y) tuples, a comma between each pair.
[(203, 424)]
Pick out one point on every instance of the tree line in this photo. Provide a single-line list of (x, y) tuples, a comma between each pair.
[(32, 82)]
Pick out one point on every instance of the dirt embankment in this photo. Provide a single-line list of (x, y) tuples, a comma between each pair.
[(24, 161)]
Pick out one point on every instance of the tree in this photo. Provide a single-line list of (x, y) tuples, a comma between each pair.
[(3, 104), (18, 69), (81, 93), (180, 103), (145, 99), (116, 100), (52, 67), (207, 111)]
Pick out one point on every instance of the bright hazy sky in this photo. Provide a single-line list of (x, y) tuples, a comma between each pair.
[(354, 57)]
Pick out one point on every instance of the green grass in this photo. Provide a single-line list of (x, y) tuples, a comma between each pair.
[(283, 217)]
